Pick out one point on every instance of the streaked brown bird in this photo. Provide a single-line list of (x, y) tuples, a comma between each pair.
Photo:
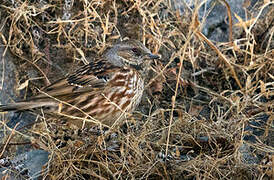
[(103, 91)]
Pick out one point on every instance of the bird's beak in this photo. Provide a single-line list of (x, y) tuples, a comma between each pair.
[(152, 56)]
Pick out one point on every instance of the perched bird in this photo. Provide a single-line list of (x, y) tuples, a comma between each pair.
[(104, 90)]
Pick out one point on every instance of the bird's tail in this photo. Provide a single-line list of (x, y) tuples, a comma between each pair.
[(19, 106)]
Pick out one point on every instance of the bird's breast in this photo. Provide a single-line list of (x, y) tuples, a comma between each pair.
[(126, 89)]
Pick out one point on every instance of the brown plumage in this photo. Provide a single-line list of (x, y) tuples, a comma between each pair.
[(102, 91)]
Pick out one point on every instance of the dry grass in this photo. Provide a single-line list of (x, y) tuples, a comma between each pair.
[(193, 120)]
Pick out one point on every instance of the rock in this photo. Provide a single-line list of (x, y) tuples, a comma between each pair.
[(216, 24), (7, 79), (24, 166)]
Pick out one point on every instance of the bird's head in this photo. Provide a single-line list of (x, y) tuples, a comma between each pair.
[(129, 53)]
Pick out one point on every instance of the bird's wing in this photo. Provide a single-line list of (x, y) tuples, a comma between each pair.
[(90, 77)]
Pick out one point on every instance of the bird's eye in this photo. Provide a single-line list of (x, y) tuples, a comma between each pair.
[(136, 51)]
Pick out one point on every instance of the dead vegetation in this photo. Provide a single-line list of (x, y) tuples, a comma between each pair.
[(208, 107)]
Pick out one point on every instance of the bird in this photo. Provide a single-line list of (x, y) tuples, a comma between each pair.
[(103, 91)]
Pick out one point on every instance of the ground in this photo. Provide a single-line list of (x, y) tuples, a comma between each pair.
[(207, 112)]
